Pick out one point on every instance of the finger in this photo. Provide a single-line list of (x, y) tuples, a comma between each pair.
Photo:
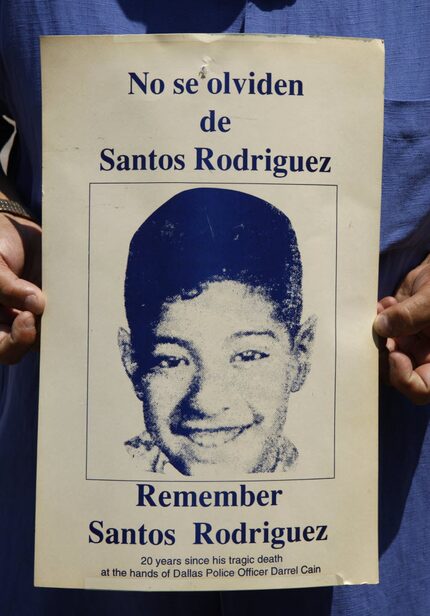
[(417, 347), (414, 280), (16, 340), (386, 346), (405, 318), (18, 293), (414, 384), (385, 302)]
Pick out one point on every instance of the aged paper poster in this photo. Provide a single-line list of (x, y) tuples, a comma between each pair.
[(208, 405)]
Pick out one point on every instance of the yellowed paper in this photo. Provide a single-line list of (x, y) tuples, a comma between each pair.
[(208, 405)]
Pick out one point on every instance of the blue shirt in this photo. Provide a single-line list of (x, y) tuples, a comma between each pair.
[(405, 232)]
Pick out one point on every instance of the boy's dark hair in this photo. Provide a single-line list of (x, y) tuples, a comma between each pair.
[(211, 234)]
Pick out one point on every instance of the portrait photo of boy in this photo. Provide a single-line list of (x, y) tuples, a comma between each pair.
[(216, 342)]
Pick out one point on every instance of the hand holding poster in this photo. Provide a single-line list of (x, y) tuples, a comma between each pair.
[(211, 233)]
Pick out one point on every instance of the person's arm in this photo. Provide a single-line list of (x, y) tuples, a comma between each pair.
[(404, 320), (21, 299)]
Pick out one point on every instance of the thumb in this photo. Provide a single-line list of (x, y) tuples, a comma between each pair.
[(19, 294), (405, 318)]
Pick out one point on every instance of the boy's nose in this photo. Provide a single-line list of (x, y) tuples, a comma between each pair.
[(211, 394)]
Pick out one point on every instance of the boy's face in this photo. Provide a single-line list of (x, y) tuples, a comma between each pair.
[(215, 395)]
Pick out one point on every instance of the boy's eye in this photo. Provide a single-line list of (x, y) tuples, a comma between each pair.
[(169, 361), (248, 356)]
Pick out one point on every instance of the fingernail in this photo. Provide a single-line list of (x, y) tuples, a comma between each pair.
[(381, 325), (390, 346), (32, 303)]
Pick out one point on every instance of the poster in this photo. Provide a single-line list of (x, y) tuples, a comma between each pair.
[(208, 405)]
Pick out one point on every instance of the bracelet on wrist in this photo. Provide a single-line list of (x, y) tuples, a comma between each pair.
[(15, 208)]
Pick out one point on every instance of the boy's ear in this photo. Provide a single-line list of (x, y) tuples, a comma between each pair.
[(124, 344), (302, 351)]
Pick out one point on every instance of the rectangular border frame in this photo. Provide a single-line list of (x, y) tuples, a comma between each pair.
[(202, 481)]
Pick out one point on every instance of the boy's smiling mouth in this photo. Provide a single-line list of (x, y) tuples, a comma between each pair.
[(212, 436)]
